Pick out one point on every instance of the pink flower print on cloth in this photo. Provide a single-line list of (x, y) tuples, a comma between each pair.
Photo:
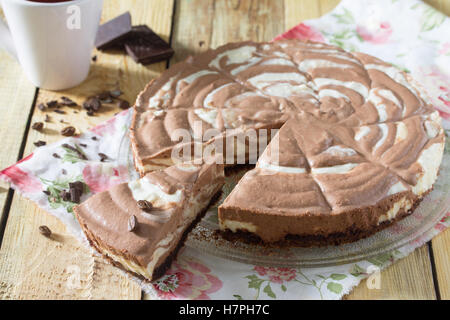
[(21, 179), (378, 34), (187, 279), (303, 32)]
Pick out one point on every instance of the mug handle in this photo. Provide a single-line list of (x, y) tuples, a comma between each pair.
[(6, 41)]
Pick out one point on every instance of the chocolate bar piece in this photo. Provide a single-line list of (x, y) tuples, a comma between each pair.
[(113, 33), (146, 47)]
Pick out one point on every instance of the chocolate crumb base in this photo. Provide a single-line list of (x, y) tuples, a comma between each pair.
[(159, 271), (306, 241)]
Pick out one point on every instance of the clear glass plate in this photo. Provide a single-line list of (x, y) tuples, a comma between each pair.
[(432, 209)]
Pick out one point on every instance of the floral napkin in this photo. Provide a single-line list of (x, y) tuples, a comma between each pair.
[(407, 33)]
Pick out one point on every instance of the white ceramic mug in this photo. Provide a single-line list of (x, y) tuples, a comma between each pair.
[(52, 41)]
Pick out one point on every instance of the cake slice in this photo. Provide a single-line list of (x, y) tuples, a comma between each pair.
[(310, 188), (140, 226)]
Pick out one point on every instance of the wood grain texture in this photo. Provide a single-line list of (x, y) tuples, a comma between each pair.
[(32, 266), (441, 5), (441, 255), (407, 279), (203, 24), (16, 100)]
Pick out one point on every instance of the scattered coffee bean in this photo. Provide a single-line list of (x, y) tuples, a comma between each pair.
[(94, 58), (45, 231), (46, 192), (132, 223), (37, 126), (123, 104), (64, 171), (59, 111), (47, 118), (67, 102), (42, 107), (52, 103), (40, 143), (144, 205), (68, 131), (94, 138), (103, 157), (57, 156), (93, 104), (201, 43), (83, 145)]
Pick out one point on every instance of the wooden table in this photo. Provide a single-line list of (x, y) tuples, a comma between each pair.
[(31, 266)]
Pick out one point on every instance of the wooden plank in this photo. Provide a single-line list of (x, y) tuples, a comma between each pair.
[(16, 99), (31, 266), (441, 254), (441, 5), (203, 24), (410, 278)]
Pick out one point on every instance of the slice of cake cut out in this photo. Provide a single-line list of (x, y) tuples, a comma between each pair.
[(140, 226)]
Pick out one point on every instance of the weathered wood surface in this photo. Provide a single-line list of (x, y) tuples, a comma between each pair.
[(32, 266)]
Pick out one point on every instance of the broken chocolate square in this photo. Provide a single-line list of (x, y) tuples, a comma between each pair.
[(112, 33), (146, 47)]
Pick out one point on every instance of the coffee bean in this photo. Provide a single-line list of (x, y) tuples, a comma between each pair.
[(67, 102), (45, 231), (52, 103), (68, 131), (59, 111), (103, 157), (93, 104), (57, 156), (132, 223), (40, 143), (47, 118), (123, 104), (37, 126), (144, 205), (42, 107)]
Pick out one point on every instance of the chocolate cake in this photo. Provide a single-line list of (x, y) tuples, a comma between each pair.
[(139, 226), (359, 146)]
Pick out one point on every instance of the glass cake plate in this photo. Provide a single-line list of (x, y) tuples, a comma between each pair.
[(204, 237)]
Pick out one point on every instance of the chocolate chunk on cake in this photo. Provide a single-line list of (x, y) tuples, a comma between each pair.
[(141, 225), (359, 147)]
